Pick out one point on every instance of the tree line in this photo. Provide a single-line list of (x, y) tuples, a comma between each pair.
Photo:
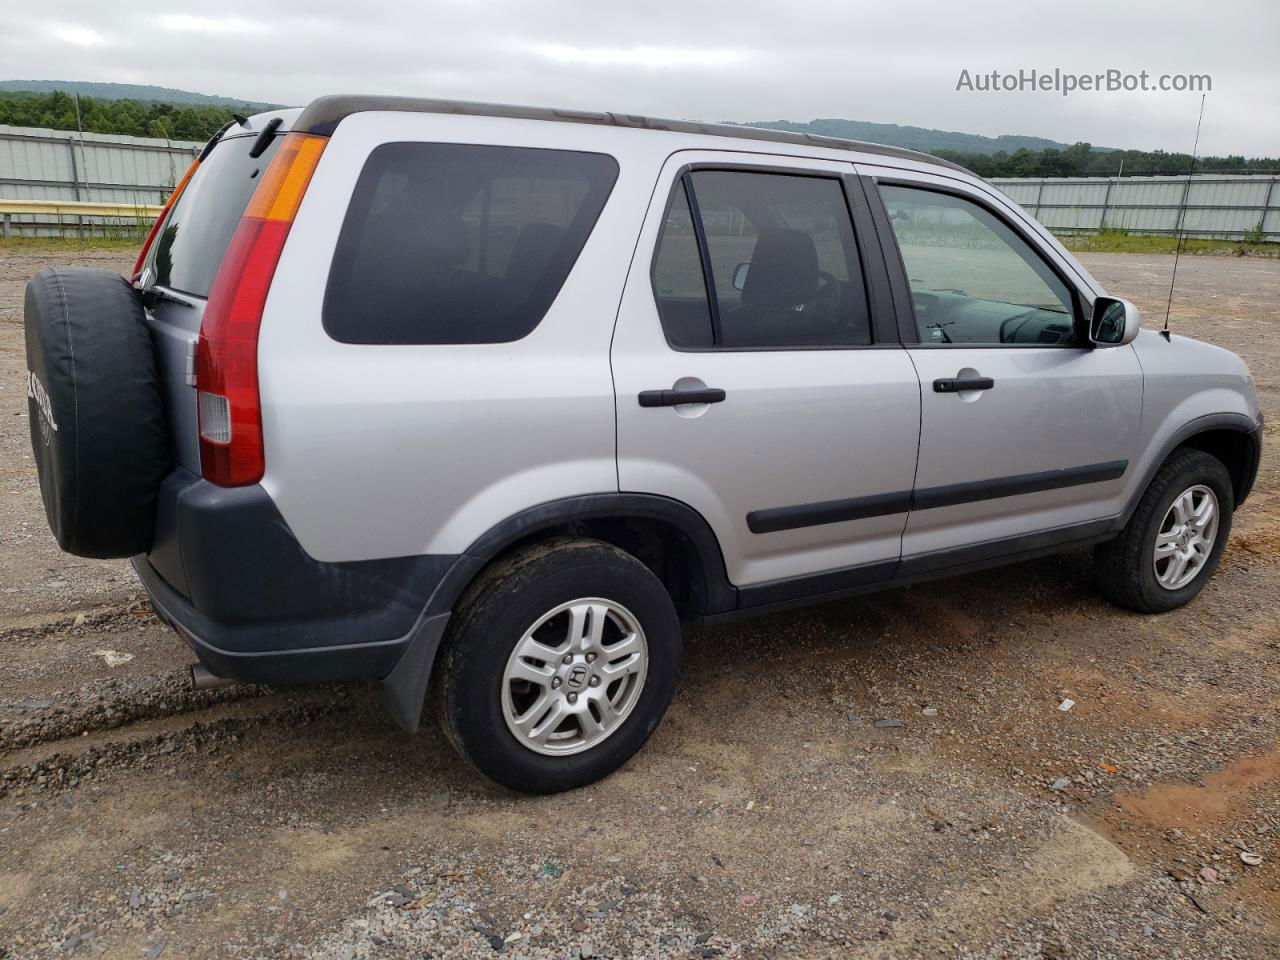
[(138, 118), (134, 118), (1081, 160)]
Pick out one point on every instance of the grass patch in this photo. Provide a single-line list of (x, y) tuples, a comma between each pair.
[(70, 244), (1121, 241)]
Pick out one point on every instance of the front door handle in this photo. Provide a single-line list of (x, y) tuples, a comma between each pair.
[(671, 398), (957, 384)]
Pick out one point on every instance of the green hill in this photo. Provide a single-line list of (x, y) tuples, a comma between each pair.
[(143, 93), (148, 111), (924, 139)]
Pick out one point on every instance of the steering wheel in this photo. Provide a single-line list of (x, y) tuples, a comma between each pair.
[(828, 295)]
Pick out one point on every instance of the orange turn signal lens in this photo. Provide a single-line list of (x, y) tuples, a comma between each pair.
[(280, 192)]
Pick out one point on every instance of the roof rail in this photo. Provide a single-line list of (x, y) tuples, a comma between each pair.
[(325, 113)]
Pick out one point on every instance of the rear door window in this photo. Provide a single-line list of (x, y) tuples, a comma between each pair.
[(191, 244), (460, 243), (784, 265)]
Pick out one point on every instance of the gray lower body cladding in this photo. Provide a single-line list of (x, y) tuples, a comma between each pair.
[(225, 570), (227, 573)]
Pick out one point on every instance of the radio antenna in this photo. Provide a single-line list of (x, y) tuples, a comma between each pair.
[(1182, 221)]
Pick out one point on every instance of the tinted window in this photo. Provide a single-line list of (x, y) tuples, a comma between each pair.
[(678, 283), (973, 279), (190, 246), (456, 243), (784, 263)]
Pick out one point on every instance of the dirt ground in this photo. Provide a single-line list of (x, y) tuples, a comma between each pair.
[(774, 813)]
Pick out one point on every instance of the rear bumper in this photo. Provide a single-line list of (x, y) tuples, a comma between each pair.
[(227, 573), (253, 663)]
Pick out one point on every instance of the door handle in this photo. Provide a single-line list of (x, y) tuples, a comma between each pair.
[(957, 384), (671, 398)]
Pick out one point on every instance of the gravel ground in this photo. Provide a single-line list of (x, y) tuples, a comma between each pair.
[(889, 776)]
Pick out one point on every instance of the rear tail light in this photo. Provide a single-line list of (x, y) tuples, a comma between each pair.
[(155, 227), (229, 408)]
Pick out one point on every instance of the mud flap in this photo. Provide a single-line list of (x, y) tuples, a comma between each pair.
[(404, 690)]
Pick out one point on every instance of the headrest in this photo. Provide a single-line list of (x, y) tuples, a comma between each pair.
[(784, 269)]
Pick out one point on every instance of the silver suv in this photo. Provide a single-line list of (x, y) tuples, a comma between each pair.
[(490, 399)]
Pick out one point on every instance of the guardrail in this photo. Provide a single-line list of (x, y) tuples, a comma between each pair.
[(58, 212)]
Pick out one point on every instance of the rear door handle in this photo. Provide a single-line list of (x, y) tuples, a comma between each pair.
[(671, 398), (957, 384)]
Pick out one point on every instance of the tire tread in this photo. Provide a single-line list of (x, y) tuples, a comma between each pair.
[(1119, 563), (494, 590)]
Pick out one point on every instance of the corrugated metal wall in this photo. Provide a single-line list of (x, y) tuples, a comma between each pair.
[(39, 164), (1209, 206)]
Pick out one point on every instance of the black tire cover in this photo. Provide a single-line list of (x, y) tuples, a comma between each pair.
[(96, 411)]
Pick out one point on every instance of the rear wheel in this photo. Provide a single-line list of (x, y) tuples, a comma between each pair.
[(1172, 543), (558, 666)]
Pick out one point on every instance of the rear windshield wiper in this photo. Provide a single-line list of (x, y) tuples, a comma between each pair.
[(265, 137), (153, 293)]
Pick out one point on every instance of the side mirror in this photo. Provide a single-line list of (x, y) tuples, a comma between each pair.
[(740, 275), (1115, 322)]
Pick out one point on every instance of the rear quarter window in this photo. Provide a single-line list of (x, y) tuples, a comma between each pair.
[(459, 243)]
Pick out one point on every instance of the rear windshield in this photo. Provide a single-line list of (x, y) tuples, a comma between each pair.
[(190, 246), (458, 243)]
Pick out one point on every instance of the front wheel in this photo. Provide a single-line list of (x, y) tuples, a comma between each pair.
[(1171, 545), (560, 663)]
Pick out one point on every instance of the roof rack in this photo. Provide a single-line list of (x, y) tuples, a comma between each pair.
[(325, 113)]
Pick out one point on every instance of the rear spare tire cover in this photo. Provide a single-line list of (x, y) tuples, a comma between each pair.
[(96, 411)]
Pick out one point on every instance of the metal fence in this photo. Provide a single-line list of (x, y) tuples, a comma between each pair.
[(57, 165), (1222, 207), (139, 172)]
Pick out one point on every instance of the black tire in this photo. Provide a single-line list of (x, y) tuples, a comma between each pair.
[(1125, 572), (96, 411), (490, 620)]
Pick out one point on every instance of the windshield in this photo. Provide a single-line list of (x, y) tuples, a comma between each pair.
[(190, 246)]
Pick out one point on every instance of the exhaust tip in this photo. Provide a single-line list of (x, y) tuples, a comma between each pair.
[(202, 679)]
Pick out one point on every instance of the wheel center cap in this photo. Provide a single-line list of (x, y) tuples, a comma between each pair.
[(577, 677)]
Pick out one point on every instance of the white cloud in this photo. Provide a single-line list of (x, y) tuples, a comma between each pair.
[(76, 35), (652, 57), (698, 59), (189, 23)]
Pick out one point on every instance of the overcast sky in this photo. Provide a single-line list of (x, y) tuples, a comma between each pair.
[(699, 59)]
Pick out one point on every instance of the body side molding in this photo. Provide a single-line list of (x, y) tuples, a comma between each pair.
[(828, 511), (957, 493), (884, 504)]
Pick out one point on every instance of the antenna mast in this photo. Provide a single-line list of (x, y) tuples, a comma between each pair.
[(1182, 220)]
